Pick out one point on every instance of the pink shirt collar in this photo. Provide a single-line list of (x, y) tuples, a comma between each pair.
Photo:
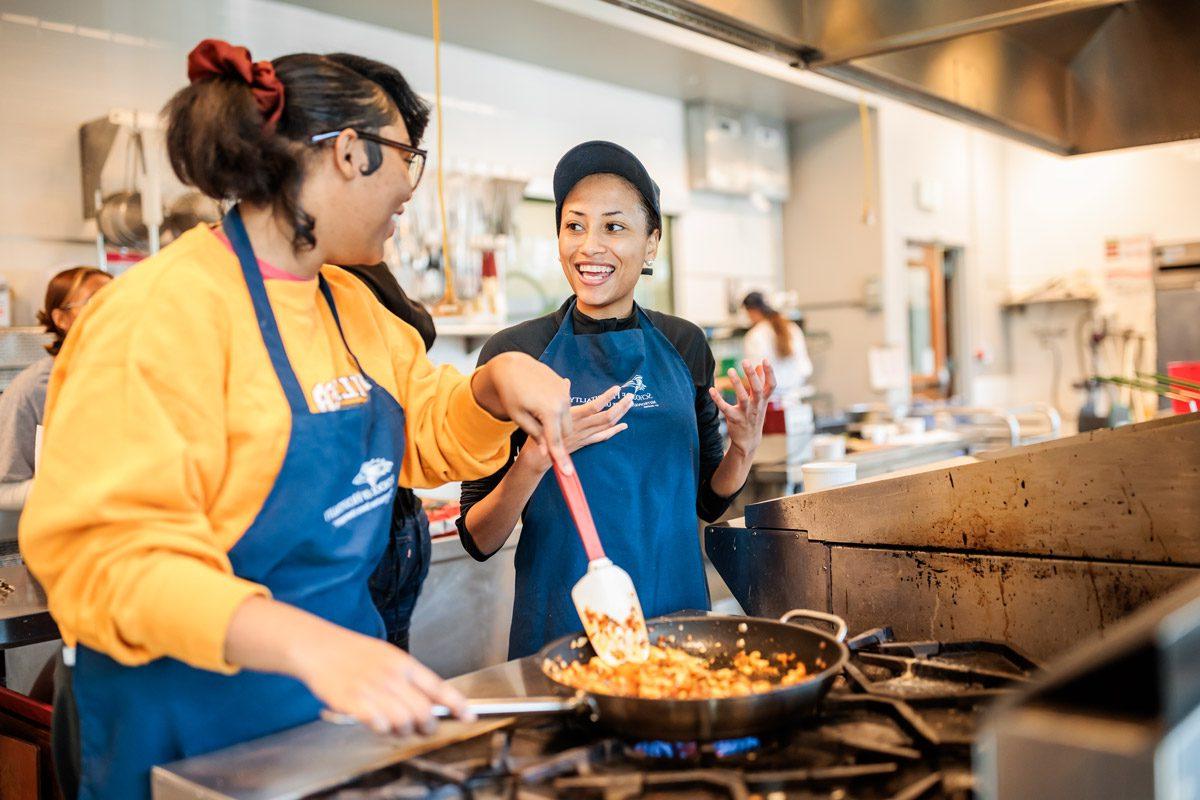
[(269, 272)]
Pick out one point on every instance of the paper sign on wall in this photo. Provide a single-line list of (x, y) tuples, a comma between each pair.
[(1129, 282)]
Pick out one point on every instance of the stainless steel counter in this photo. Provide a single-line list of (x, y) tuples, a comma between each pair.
[(298, 762), (879, 460), (24, 617), (318, 756)]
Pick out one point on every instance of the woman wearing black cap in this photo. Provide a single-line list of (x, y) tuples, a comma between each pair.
[(646, 420)]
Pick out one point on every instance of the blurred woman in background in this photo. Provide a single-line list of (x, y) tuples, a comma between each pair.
[(775, 338), (22, 405)]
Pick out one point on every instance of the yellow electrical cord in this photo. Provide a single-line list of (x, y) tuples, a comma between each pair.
[(449, 303), (864, 119)]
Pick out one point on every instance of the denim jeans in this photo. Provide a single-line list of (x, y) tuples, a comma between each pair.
[(397, 580)]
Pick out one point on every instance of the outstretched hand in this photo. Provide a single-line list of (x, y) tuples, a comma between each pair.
[(744, 419)]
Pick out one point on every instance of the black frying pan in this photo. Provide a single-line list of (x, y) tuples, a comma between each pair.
[(823, 654)]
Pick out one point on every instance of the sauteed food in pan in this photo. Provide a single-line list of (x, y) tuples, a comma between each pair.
[(673, 673)]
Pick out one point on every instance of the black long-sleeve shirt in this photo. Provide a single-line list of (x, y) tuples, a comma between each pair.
[(534, 336), (380, 280), (383, 284)]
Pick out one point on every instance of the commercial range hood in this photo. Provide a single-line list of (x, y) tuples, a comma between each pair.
[(1069, 76)]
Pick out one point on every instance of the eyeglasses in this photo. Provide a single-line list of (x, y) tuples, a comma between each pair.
[(76, 304), (416, 162)]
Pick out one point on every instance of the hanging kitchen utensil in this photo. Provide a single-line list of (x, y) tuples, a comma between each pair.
[(131, 218), (120, 220), (604, 597)]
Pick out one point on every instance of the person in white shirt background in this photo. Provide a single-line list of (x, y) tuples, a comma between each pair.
[(774, 337)]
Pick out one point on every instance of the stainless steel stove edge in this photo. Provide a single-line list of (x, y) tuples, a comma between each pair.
[(298, 762)]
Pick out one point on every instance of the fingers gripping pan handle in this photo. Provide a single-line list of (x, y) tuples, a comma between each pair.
[(572, 491)]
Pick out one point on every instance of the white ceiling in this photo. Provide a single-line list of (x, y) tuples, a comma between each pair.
[(598, 41)]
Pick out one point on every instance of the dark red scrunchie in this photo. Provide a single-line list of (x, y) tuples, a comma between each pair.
[(213, 58)]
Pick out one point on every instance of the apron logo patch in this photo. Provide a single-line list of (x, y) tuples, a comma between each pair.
[(636, 386), (642, 396), (346, 390), (379, 482)]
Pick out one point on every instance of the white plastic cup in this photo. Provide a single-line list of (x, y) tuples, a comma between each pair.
[(878, 432), (827, 474), (828, 447)]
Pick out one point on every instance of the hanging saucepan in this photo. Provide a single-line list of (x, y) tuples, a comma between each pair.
[(120, 220), (823, 654)]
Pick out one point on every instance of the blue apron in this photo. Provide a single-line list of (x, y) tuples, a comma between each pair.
[(314, 544), (641, 486)]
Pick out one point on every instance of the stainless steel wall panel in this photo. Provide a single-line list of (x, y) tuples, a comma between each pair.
[(1043, 607), (1129, 494)]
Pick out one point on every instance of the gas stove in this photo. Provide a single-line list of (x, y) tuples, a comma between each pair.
[(899, 723), (1118, 717)]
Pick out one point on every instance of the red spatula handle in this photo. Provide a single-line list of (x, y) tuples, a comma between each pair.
[(577, 504)]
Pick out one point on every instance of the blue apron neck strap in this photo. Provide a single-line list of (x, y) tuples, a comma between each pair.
[(643, 317), (568, 323), (235, 231)]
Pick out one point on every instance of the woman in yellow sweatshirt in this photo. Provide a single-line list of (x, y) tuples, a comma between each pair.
[(226, 426)]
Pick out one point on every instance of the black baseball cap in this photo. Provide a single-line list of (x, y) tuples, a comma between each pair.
[(594, 158)]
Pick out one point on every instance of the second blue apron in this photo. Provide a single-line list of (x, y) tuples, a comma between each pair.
[(641, 486), (314, 543)]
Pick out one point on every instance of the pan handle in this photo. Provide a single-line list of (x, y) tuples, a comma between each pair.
[(496, 707), (513, 706), (839, 624)]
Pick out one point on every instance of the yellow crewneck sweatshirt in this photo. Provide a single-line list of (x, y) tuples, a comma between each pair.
[(166, 427)]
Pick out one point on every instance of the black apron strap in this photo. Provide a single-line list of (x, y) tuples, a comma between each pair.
[(64, 731)]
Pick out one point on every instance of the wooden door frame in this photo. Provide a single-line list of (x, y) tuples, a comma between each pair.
[(933, 260)]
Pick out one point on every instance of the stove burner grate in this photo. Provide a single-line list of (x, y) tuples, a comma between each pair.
[(897, 725)]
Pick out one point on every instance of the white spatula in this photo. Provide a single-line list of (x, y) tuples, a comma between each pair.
[(604, 597)]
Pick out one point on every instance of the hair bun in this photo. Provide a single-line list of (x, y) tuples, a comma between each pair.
[(214, 58)]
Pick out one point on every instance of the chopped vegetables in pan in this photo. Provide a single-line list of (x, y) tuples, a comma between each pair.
[(672, 673)]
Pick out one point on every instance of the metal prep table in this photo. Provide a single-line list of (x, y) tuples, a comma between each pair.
[(296, 763), (772, 480), (24, 617)]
